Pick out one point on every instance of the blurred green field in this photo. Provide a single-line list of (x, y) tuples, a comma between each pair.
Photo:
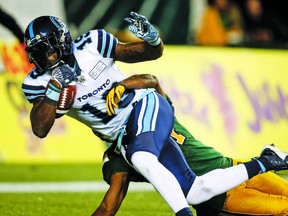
[(144, 203), (147, 203), (50, 172), (78, 204)]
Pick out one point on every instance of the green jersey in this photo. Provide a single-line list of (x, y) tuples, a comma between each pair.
[(200, 158)]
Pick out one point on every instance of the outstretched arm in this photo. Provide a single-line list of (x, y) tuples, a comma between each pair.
[(132, 82), (150, 48), (114, 196), (138, 52)]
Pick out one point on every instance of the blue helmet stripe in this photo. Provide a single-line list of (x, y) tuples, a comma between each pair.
[(55, 22), (31, 32)]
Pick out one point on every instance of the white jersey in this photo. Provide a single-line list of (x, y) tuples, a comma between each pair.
[(94, 53)]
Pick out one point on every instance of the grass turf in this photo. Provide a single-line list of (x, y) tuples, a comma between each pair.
[(81, 203), (50, 172)]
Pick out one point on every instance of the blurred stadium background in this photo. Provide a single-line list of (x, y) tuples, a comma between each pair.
[(232, 98)]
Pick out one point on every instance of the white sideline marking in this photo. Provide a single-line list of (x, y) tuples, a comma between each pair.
[(33, 187)]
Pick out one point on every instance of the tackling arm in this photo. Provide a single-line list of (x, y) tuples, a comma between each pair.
[(143, 81), (113, 198), (133, 82)]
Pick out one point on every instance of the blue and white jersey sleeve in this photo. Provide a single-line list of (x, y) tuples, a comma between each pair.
[(34, 85), (106, 43), (97, 41)]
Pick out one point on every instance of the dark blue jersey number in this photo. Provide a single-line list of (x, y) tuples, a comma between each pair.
[(105, 118), (82, 40)]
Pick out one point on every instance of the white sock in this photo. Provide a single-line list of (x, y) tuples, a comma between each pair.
[(216, 182), (162, 179)]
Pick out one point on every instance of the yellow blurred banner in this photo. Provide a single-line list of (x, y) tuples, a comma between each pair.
[(230, 98)]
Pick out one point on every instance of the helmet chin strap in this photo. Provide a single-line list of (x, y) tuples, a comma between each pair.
[(66, 49)]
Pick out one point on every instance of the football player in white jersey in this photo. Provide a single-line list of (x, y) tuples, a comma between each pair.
[(143, 118)]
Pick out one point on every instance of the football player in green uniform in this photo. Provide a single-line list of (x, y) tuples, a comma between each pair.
[(265, 194)]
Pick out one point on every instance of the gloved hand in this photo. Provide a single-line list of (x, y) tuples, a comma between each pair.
[(140, 26), (64, 75), (113, 98)]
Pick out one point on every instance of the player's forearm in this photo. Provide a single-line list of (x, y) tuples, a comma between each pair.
[(109, 205), (43, 113), (138, 81), (101, 211), (42, 118), (138, 52), (143, 81), (113, 198)]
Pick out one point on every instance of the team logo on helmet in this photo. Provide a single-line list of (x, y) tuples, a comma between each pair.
[(59, 24)]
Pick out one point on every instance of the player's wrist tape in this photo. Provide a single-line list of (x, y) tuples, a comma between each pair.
[(52, 95), (156, 42)]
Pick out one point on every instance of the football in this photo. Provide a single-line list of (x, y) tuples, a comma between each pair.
[(66, 100)]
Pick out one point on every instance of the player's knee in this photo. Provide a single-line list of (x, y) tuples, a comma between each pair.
[(204, 186), (144, 162), (200, 191)]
